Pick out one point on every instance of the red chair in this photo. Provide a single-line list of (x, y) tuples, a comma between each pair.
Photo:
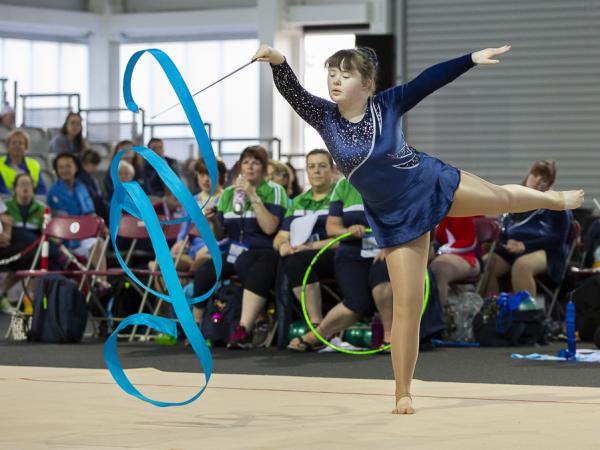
[(72, 228), (171, 231)]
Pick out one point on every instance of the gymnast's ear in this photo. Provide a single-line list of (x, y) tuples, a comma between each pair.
[(369, 85)]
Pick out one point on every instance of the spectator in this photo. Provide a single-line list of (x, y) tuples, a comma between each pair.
[(250, 255), (7, 249), (188, 174), (196, 253), (132, 158), (70, 139), (90, 160), (126, 171), (534, 242), (15, 162), (7, 117), (69, 196), (314, 202), (360, 270), (28, 217), (294, 188), (153, 184), (278, 172)]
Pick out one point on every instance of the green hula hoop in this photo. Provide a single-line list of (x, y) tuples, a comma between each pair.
[(305, 312)]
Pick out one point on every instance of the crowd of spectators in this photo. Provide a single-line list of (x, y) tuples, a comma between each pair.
[(276, 227)]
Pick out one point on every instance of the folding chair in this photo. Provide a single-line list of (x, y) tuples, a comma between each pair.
[(133, 230), (546, 285), (171, 232), (73, 228)]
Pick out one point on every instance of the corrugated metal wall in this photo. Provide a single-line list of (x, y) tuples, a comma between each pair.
[(541, 102)]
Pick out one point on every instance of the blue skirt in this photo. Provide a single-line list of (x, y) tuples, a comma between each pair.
[(406, 215)]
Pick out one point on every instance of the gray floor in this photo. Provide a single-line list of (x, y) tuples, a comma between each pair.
[(469, 365)]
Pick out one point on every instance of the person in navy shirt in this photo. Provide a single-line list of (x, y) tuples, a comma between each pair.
[(532, 242)]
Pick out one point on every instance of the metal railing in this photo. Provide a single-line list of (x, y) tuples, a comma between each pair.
[(272, 144), (48, 116), (177, 137), (109, 125)]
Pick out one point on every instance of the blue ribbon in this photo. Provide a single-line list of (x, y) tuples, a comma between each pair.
[(130, 197)]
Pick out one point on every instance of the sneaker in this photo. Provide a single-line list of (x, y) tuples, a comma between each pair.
[(6, 307), (240, 339)]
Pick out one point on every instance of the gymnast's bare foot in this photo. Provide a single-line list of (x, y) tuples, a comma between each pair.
[(570, 199), (404, 405)]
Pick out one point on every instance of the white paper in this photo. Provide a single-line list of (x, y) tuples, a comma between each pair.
[(301, 229), (369, 247)]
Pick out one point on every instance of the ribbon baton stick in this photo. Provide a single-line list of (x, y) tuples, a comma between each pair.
[(203, 89)]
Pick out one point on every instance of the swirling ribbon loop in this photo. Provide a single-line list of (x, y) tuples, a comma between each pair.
[(130, 197)]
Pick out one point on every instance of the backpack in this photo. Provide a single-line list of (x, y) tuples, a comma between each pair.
[(587, 307), (495, 328), (59, 311), (222, 313)]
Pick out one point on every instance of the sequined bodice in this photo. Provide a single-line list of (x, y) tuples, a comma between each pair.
[(371, 153)]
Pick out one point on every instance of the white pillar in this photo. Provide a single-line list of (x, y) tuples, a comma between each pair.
[(103, 70)]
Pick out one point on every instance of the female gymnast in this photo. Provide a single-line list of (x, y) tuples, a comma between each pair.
[(406, 193)]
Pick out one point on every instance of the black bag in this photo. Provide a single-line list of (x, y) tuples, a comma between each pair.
[(516, 328), (59, 311), (222, 314), (587, 307)]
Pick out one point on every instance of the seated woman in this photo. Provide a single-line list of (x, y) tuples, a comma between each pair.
[(457, 254), (297, 257), (195, 253), (360, 269), (69, 196), (278, 173), (249, 214), (27, 216), (70, 139), (15, 162), (532, 243)]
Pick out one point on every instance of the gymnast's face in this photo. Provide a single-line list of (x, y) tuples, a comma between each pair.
[(347, 86)]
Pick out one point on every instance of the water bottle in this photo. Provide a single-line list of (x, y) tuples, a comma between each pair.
[(376, 332), (596, 264), (239, 200), (571, 342), (528, 304)]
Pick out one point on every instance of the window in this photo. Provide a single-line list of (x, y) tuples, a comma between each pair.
[(44, 67), (230, 106)]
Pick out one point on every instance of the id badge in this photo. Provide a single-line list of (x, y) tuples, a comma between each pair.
[(369, 247), (235, 250)]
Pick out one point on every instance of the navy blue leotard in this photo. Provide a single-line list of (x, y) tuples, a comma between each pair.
[(406, 193)]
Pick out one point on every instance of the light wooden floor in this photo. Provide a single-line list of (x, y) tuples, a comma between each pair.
[(54, 408)]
